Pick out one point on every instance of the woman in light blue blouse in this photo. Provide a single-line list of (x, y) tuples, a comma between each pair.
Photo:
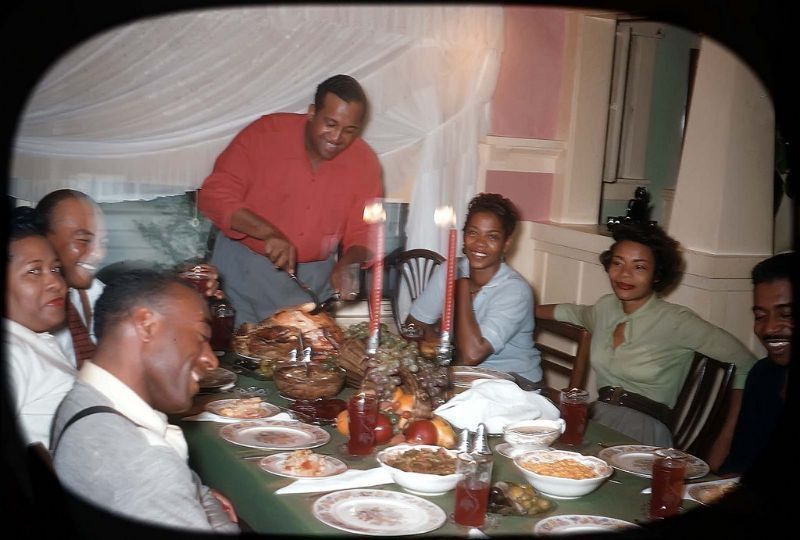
[(493, 303)]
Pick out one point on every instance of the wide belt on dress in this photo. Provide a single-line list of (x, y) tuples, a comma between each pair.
[(616, 395)]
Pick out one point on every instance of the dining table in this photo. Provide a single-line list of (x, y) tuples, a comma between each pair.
[(234, 471)]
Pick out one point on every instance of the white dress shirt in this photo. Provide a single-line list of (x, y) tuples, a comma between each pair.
[(152, 423), (40, 375)]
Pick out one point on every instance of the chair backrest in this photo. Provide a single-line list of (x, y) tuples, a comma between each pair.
[(414, 269), (575, 366), (700, 411)]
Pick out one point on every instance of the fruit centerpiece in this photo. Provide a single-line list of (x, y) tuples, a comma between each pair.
[(408, 385), (397, 363)]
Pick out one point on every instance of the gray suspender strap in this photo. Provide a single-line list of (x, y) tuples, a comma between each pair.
[(86, 412)]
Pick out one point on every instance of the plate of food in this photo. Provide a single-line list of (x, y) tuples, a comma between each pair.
[(711, 492), (463, 376), (275, 434), (302, 464), (377, 512), (245, 408), (216, 378), (576, 524), (638, 459)]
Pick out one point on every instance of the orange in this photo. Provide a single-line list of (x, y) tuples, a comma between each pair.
[(398, 393), (406, 403), (343, 422)]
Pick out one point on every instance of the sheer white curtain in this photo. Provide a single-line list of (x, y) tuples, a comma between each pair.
[(143, 110)]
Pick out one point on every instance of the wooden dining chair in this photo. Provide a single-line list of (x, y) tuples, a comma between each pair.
[(414, 269), (702, 405), (573, 365)]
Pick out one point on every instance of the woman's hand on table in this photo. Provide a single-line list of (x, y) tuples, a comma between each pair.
[(226, 505)]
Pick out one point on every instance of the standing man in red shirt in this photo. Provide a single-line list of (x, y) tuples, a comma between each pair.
[(285, 194)]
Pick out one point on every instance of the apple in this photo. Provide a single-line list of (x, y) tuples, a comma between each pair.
[(383, 429), (421, 432)]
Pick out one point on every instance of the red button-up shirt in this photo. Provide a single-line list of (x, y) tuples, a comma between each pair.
[(266, 170)]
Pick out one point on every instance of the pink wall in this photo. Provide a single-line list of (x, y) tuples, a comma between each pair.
[(529, 191), (525, 102)]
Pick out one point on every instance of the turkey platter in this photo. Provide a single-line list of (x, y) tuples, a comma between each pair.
[(276, 336)]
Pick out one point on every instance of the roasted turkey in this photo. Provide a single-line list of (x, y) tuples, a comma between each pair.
[(276, 336)]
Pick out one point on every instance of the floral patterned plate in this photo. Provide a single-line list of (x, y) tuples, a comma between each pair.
[(227, 408), (378, 513), (571, 524), (275, 434), (710, 492), (463, 376), (638, 459), (276, 464)]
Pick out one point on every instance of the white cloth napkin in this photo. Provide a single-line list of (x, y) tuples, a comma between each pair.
[(495, 403), (211, 417), (687, 486), (351, 478)]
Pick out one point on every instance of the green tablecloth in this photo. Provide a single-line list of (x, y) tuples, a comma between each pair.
[(252, 490)]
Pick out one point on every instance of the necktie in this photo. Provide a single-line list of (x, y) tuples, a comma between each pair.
[(81, 342)]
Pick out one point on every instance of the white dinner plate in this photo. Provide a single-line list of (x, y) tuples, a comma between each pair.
[(710, 492), (638, 459), (580, 524), (275, 434), (264, 409), (217, 378), (275, 464), (378, 513), (511, 451), (463, 376)]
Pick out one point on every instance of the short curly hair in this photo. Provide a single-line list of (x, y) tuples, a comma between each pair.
[(47, 206), (666, 252), (143, 286), (345, 88), (498, 205), (774, 268)]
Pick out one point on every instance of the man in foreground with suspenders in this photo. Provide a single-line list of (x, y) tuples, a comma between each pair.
[(111, 442)]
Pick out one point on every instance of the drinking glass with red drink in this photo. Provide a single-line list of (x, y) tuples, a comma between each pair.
[(198, 276), (222, 317), (412, 332), (574, 408), (363, 416), (472, 490), (669, 468)]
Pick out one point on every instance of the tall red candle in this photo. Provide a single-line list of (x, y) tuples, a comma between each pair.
[(450, 281), (375, 216), (377, 280)]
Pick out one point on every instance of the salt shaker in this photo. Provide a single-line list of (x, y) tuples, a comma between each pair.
[(463, 441), (480, 444)]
